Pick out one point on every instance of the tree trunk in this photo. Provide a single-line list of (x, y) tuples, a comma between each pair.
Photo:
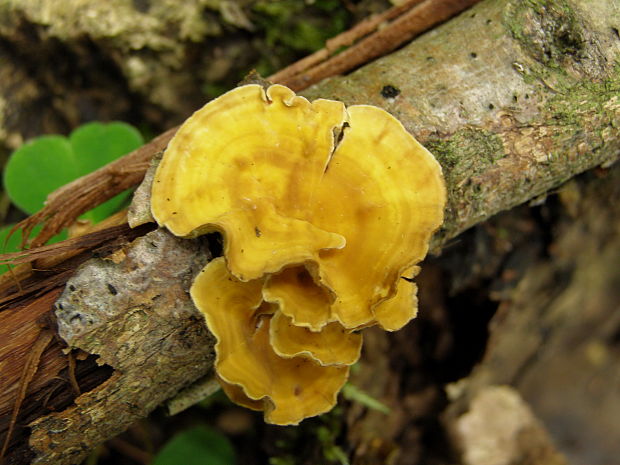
[(513, 98)]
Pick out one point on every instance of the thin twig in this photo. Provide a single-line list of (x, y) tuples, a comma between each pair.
[(418, 19), (71, 365), (344, 39), (75, 244)]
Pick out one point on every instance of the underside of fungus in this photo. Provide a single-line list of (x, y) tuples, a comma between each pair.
[(324, 210)]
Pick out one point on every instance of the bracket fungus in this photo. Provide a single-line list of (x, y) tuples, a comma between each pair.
[(323, 209)]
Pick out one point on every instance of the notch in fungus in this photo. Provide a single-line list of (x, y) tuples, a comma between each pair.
[(322, 210)]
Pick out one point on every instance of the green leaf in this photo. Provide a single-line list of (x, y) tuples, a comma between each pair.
[(36, 169), (355, 394), (44, 164), (96, 145), (197, 446)]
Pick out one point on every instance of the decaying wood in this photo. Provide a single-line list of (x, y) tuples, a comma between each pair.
[(135, 313), (30, 368), (45, 272), (26, 310), (554, 336), (514, 98)]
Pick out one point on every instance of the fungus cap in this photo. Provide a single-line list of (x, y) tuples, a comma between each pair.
[(298, 296), (290, 389), (350, 193), (391, 198), (247, 164), (332, 345), (394, 313)]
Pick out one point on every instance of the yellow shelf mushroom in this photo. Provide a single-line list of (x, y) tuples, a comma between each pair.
[(290, 388), (322, 208)]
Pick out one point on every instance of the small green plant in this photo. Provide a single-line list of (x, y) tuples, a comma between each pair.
[(199, 445), (355, 394), (293, 28), (45, 163)]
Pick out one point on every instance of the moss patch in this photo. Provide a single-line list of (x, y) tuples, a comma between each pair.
[(576, 105), (463, 156), (548, 29), (467, 151), (551, 37)]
